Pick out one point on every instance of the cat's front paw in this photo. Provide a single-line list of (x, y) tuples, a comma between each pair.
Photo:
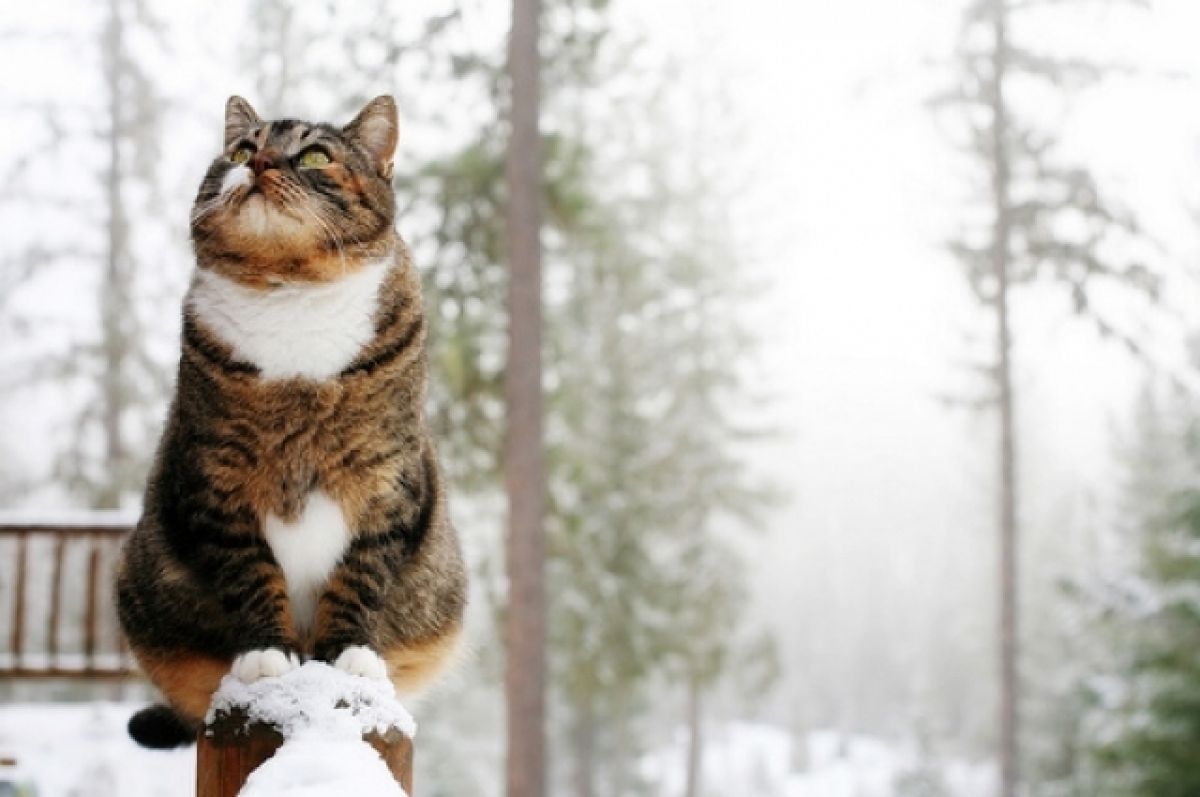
[(361, 660), (248, 667)]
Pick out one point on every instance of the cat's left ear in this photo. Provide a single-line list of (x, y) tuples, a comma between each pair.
[(376, 129)]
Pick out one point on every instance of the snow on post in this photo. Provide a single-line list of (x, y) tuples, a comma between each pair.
[(314, 732)]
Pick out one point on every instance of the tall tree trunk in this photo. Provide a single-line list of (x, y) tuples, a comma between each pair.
[(583, 744), (1009, 686), (115, 288), (620, 764), (523, 462), (695, 753)]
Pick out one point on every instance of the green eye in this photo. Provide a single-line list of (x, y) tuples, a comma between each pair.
[(314, 159), (241, 155)]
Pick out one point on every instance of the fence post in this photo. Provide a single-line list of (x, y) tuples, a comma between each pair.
[(230, 748)]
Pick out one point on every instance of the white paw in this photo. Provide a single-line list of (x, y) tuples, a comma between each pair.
[(248, 667), (361, 660)]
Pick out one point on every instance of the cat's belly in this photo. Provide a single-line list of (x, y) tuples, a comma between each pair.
[(307, 550)]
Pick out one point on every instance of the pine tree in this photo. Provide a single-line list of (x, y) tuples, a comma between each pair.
[(1044, 221), (1092, 698), (1145, 734), (648, 345)]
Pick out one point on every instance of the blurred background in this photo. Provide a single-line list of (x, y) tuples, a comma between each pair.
[(808, 267)]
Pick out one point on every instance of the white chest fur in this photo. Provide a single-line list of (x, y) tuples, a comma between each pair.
[(311, 331), (307, 550)]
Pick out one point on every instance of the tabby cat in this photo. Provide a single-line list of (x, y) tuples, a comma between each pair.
[(295, 508)]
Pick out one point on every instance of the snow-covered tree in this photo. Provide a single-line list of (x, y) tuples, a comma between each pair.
[(1040, 219), (106, 146), (649, 497), (1143, 722)]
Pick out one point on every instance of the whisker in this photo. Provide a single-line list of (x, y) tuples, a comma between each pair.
[(217, 202)]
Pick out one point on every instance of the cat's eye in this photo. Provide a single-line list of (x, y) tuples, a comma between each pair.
[(241, 155), (314, 159)]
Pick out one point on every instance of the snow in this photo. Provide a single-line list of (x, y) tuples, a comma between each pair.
[(311, 764), (83, 749), (70, 750), (92, 518), (761, 760), (319, 697), (70, 662), (323, 714)]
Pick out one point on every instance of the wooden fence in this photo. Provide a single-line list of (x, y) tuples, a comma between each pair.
[(56, 586)]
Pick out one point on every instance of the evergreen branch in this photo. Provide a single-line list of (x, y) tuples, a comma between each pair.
[(1073, 73)]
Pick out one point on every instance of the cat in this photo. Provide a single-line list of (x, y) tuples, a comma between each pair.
[(295, 508)]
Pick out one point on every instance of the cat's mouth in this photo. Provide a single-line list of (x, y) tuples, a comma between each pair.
[(260, 198)]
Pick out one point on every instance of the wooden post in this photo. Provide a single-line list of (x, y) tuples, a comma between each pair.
[(91, 620), (18, 625), (56, 588), (231, 748)]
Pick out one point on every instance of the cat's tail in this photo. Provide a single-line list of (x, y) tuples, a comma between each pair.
[(160, 727)]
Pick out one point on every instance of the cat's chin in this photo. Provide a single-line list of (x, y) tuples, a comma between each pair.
[(259, 217), (259, 230)]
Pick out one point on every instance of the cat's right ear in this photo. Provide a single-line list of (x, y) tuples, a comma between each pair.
[(240, 118)]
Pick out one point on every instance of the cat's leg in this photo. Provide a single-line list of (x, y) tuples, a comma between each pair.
[(393, 605), (194, 612), (345, 630), (251, 588), (247, 584), (392, 611)]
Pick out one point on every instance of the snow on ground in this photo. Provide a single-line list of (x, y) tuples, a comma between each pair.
[(758, 760), (82, 750)]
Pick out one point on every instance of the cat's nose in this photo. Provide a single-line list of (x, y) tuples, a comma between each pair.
[(262, 160)]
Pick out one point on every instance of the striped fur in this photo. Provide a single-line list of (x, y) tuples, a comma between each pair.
[(296, 504)]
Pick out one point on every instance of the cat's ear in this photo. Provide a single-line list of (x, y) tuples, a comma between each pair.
[(376, 129), (240, 117)]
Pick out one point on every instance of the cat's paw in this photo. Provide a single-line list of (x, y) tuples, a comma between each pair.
[(248, 667), (361, 660)]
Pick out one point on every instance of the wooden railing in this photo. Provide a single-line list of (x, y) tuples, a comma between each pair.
[(56, 581)]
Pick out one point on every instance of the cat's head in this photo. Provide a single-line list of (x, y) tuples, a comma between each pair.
[(292, 201)]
